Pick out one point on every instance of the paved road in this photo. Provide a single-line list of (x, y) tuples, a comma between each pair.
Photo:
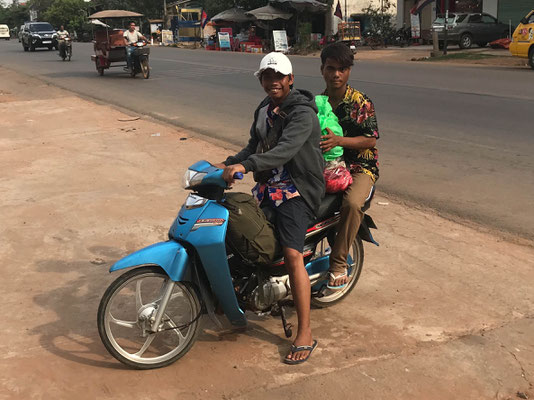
[(458, 139)]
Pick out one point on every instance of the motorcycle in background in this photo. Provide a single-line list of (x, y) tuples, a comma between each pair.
[(149, 316), (140, 60), (65, 49), (403, 37)]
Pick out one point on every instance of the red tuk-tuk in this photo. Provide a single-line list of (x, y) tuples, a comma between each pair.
[(109, 45)]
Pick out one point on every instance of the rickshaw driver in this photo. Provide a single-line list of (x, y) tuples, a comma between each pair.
[(131, 36)]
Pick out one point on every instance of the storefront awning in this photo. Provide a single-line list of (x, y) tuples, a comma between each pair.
[(312, 6), (234, 14), (268, 13)]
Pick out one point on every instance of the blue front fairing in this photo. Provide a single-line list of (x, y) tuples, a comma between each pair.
[(209, 242), (184, 222), (171, 256)]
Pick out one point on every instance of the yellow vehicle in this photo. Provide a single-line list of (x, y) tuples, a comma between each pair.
[(523, 39), (349, 32)]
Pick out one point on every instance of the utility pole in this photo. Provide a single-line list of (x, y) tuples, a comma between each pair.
[(164, 14), (346, 18), (446, 27)]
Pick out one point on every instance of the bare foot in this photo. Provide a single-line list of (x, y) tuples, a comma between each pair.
[(300, 340), (338, 278)]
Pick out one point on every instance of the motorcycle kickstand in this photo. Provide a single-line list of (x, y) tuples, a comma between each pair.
[(287, 326)]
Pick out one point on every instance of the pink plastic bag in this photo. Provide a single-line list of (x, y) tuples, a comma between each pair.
[(337, 178)]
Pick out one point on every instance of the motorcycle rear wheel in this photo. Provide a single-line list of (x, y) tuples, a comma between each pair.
[(129, 301), (145, 69), (355, 262)]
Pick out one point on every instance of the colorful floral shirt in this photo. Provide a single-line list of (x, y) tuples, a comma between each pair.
[(356, 114), (279, 187)]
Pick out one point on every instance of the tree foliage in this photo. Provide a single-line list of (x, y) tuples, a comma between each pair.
[(150, 9), (381, 17), (70, 13), (14, 15)]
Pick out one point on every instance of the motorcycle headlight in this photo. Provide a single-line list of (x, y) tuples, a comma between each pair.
[(194, 201), (192, 178)]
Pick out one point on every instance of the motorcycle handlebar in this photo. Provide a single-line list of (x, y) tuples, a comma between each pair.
[(238, 175)]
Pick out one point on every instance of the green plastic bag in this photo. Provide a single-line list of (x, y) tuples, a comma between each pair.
[(328, 119)]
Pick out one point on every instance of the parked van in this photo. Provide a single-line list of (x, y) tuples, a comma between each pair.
[(4, 32), (523, 39)]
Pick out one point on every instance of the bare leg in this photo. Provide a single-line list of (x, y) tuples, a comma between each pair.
[(301, 291)]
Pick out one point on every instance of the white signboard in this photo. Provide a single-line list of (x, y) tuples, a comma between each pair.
[(416, 26), (280, 41), (224, 40), (166, 37)]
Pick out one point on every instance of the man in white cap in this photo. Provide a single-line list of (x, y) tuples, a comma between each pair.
[(284, 155)]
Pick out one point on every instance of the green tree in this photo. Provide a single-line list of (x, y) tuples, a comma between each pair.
[(14, 15), (150, 9), (70, 13), (381, 18), (40, 6)]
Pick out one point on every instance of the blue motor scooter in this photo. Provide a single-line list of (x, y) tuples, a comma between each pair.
[(149, 316)]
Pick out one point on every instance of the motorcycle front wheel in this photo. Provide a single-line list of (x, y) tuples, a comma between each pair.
[(125, 312), (355, 264), (145, 68)]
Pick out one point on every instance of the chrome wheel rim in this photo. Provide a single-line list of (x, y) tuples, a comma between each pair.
[(127, 319)]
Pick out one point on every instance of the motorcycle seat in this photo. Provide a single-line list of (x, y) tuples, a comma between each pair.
[(329, 206)]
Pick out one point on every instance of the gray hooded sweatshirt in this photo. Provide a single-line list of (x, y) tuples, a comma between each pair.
[(293, 141)]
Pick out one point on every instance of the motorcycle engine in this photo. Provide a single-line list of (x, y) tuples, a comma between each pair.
[(268, 293)]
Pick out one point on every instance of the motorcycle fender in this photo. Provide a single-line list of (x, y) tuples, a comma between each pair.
[(170, 255), (365, 232)]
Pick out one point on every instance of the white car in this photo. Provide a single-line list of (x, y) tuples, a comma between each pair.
[(4, 32)]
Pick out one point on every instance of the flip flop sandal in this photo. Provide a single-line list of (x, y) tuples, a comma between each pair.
[(296, 349), (333, 278)]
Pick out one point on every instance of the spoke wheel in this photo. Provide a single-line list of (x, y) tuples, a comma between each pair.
[(124, 319), (355, 263), (145, 68)]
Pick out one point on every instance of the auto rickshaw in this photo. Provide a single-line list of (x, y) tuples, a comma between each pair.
[(109, 46)]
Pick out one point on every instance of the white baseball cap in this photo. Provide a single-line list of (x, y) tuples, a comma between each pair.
[(275, 61)]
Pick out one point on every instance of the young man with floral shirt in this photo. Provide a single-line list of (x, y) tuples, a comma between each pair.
[(284, 155), (356, 115)]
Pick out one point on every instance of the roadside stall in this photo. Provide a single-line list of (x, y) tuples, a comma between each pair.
[(230, 26), (307, 12), (273, 21)]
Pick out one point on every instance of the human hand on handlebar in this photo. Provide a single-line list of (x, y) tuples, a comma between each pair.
[(230, 171)]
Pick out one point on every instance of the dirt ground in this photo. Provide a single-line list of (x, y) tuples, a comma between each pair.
[(441, 311)]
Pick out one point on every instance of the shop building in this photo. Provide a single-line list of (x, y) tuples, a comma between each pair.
[(506, 11)]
